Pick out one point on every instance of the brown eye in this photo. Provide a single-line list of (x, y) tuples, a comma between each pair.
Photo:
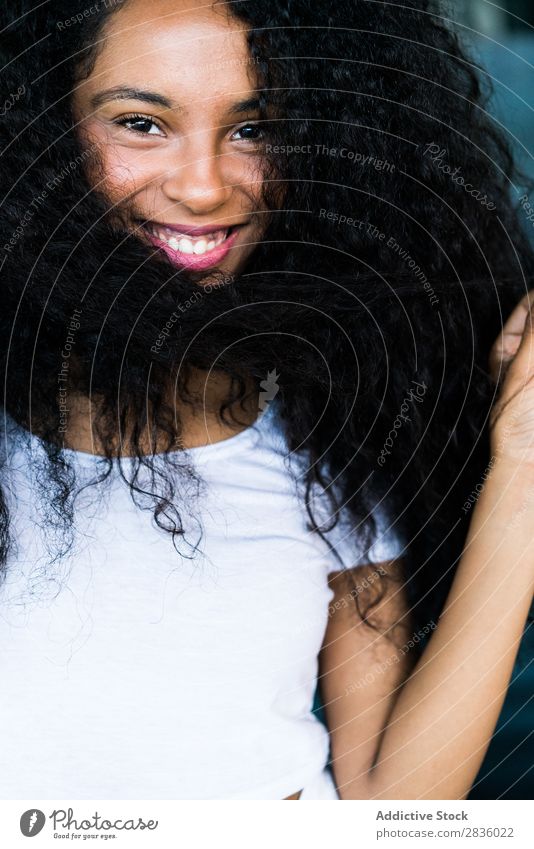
[(249, 132), (141, 124)]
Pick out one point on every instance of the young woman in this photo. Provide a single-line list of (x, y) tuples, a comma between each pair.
[(253, 256)]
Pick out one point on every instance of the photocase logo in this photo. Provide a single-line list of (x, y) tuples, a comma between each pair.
[(269, 388), (32, 822)]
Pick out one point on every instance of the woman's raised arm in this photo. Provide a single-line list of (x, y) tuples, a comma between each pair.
[(439, 727)]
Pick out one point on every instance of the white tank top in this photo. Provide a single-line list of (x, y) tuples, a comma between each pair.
[(129, 671)]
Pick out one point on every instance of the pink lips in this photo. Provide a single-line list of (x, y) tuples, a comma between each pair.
[(194, 261)]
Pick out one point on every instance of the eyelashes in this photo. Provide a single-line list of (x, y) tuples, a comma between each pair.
[(147, 120), (258, 132), (147, 125)]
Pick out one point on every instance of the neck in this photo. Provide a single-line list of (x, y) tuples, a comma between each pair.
[(199, 418)]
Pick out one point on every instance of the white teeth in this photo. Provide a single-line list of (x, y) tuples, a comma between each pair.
[(200, 246), (195, 245), (185, 246)]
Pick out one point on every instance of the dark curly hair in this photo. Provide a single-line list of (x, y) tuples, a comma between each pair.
[(390, 264)]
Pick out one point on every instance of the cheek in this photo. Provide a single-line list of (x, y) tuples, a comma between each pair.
[(246, 175), (124, 173), (116, 171)]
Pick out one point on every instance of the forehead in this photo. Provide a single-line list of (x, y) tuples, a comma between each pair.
[(172, 45)]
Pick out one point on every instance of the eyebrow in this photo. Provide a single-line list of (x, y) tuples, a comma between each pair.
[(125, 93), (250, 105)]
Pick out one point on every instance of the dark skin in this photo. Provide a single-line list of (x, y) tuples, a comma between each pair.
[(172, 107), (182, 157), (175, 122)]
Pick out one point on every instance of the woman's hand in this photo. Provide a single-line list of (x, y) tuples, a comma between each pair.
[(512, 362), (507, 343)]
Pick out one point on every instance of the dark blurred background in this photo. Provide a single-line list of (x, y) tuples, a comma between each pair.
[(500, 37)]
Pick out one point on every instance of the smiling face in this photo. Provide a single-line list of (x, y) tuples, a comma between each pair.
[(171, 106)]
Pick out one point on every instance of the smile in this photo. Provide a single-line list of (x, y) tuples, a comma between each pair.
[(192, 247)]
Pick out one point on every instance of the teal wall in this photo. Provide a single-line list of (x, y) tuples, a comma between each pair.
[(508, 768)]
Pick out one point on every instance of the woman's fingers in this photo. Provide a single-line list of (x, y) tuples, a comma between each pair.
[(512, 416), (508, 341), (521, 365)]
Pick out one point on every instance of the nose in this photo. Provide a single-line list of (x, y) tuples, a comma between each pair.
[(196, 181)]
